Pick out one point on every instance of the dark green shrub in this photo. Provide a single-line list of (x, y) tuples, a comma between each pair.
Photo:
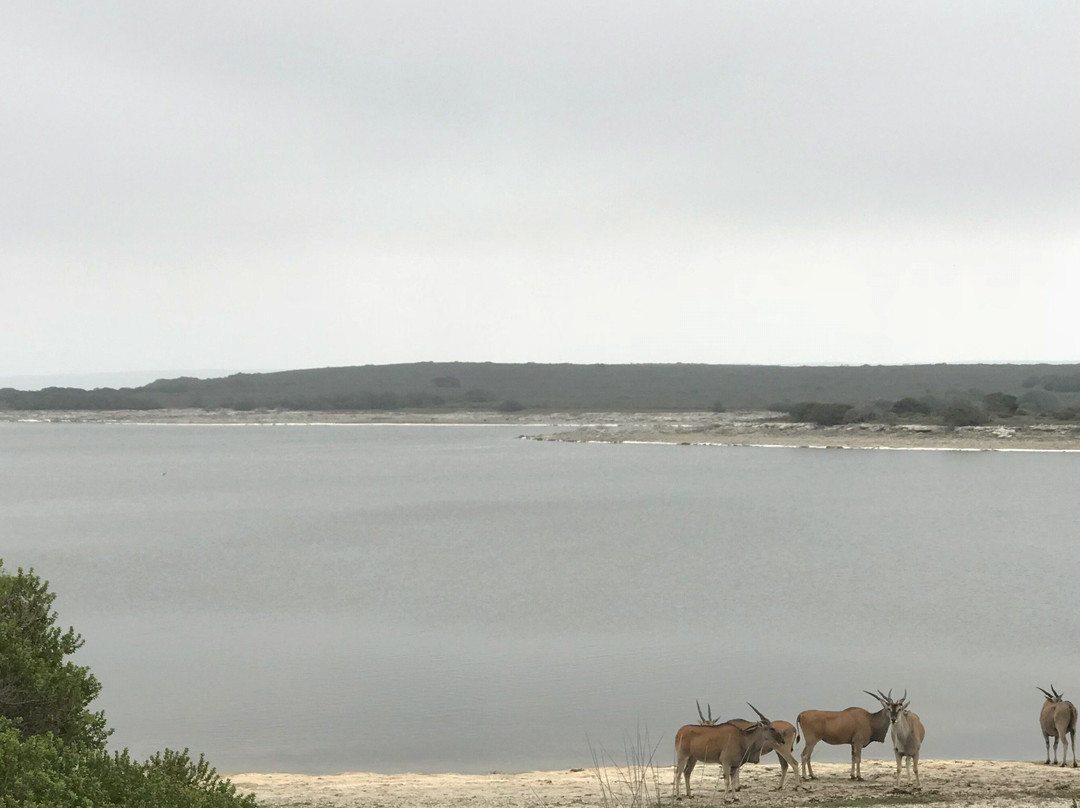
[(822, 414), (911, 406), (172, 778), (1002, 405), (40, 689), (1062, 384), (383, 401), (52, 747), (73, 398), (1039, 402), (36, 770), (43, 772), (177, 385), (963, 413), (861, 414)]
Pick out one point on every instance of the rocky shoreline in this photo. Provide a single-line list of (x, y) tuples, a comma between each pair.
[(688, 428), (768, 432)]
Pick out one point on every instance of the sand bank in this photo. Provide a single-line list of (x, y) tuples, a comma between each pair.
[(976, 784), (709, 429)]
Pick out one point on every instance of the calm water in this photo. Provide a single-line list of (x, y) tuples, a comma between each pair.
[(395, 598)]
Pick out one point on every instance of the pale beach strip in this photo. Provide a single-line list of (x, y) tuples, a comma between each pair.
[(971, 783)]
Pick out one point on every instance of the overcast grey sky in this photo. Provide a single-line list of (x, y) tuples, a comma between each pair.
[(272, 185)]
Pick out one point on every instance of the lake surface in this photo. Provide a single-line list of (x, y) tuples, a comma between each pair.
[(420, 598)]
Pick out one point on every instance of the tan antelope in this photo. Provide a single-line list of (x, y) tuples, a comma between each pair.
[(854, 726), (785, 728), (725, 744), (907, 731), (784, 752), (1058, 720)]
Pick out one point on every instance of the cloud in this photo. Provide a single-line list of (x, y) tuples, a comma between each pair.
[(208, 145)]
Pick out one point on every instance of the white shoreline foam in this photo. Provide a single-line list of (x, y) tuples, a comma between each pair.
[(827, 446)]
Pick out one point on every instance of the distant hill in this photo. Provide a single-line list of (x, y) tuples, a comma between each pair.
[(555, 387), (89, 381)]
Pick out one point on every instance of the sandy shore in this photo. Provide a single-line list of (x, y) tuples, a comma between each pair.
[(976, 784), (691, 428)]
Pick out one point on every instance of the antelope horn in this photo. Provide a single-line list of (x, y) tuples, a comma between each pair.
[(700, 714), (1044, 692), (885, 698), (879, 698), (903, 697), (1056, 694), (756, 710)]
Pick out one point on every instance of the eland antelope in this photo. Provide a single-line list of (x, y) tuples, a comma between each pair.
[(854, 726), (783, 752), (1058, 720), (726, 744), (907, 731)]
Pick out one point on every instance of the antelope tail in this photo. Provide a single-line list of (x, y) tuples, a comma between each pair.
[(797, 728)]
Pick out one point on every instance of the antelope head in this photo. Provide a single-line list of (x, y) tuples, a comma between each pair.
[(1056, 697), (898, 708), (766, 724), (706, 722), (895, 708)]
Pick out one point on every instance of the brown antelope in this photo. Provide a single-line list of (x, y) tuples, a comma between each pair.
[(1058, 720), (907, 731), (725, 744), (783, 752), (854, 726)]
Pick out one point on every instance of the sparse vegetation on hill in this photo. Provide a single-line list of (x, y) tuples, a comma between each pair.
[(1001, 407), (871, 392)]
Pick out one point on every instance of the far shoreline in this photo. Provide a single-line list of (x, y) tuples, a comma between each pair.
[(706, 429)]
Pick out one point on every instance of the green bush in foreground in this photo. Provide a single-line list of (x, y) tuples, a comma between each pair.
[(52, 747), (43, 772), (40, 692)]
